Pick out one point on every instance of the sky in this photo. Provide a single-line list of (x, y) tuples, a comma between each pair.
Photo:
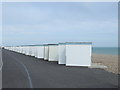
[(0, 23), (26, 23)]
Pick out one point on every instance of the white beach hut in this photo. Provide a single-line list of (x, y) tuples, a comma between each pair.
[(40, 51), (18, 50), (62, 53), (30, 50), (27, 49), (46, 52), (13, 49), (53, 52), (78, 54), (22, 50), (33, 50)]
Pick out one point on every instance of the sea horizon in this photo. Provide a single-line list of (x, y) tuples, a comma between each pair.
[(105, 50)]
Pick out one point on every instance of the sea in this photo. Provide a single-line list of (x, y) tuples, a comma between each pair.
[(105, 50)]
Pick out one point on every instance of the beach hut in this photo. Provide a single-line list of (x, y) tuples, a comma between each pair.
[(26, 50), (18, 49), (22, 50), (46, 52), (53, 52), (13, 49), (78, 53), (33, 50), (62, 53), (40, 51), (30, 50)]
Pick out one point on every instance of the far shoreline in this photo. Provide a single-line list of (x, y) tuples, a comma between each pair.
[(105, 54)]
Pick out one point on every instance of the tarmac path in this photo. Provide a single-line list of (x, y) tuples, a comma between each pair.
[(21, 71), (1, 63)]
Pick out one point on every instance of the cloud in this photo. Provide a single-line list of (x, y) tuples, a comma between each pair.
[(27, 23)]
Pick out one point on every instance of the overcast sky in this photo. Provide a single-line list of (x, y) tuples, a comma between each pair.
[(0, 23), (36, 23)]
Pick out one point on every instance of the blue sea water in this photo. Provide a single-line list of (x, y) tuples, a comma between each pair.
[(105, 50)]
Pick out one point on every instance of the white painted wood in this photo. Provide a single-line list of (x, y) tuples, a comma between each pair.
[(27, 50), (40, 51), (30, 50), (20, 49), (78, 55), (23, 50), (46, 52), (33, 50), (62, 54), (53, 53)]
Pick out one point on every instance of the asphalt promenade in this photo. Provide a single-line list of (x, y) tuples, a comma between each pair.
[(21, 71)]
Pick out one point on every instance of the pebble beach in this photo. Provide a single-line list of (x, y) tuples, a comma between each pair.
[(111, 61)]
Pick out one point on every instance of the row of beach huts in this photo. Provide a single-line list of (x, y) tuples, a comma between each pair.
[(69, 53)]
